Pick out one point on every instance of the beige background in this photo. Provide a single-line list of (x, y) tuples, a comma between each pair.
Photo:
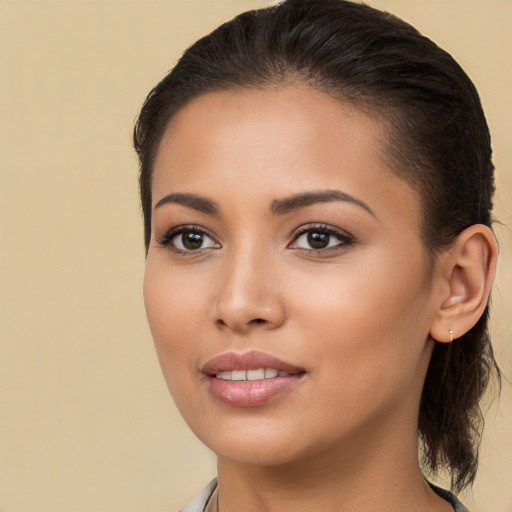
[(86, 423)]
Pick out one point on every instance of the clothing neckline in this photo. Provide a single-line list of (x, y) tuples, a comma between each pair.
[(200, 502)]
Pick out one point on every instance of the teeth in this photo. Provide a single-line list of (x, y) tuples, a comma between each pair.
[(256, 374), (238, 375), (259, 374)]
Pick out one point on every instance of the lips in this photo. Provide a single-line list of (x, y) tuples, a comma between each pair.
[(250, 379)]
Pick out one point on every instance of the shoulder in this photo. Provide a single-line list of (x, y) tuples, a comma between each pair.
[(199, 503), (450, 498)]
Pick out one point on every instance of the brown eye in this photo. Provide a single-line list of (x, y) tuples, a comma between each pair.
[(189, 240), (318, 239), (192, 241)]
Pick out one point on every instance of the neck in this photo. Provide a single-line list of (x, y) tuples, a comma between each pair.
[(377, 476)]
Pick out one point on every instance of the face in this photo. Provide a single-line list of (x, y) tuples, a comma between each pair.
[(287, 287)]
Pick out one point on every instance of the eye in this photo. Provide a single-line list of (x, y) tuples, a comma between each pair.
[(187, 239), (318, 238)]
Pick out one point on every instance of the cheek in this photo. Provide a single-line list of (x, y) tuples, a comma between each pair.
[(365, 343), (367, 290), (368, 316), (171, 308)]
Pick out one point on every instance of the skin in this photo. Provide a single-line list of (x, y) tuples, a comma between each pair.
[(355, 316)]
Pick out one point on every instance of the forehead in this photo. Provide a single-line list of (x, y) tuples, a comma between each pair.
[(287, 139), (273, 121), (291, 109)]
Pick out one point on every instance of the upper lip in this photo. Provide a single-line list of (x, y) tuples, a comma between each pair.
[(253, 360)]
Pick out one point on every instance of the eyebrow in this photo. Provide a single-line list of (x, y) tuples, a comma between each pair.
[(199, 203), (277, 207), (303, 200)]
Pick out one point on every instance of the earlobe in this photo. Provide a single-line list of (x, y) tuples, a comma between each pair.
[(468, 270)]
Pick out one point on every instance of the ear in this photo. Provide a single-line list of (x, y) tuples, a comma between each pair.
[(467, 270)]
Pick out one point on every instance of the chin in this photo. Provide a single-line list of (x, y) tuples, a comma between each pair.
[(251, 441), (268, 443), (258, 454)]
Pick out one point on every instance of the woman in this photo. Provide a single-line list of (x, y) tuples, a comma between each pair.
[(316, 183)]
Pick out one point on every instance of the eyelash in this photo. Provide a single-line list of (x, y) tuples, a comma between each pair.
[(344, 238), (167, 238)]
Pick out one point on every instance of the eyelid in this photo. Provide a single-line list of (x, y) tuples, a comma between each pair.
[(345, 237), (166, 239)]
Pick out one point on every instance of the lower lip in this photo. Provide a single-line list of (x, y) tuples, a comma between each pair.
[(251, 393)]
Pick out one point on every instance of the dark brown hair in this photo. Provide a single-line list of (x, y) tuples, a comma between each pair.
[(438, 142)]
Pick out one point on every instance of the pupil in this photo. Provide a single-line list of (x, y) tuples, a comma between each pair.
[(192, 240), (318, 240)]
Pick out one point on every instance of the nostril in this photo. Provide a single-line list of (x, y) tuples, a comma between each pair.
[(221, 323)]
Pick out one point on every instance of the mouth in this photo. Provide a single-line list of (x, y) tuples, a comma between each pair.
[(250, 379), (258, 374)]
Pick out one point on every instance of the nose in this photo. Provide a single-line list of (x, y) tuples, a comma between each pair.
[(248, 295)]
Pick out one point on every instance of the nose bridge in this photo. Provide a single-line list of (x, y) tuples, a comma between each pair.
[(247, 293)]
